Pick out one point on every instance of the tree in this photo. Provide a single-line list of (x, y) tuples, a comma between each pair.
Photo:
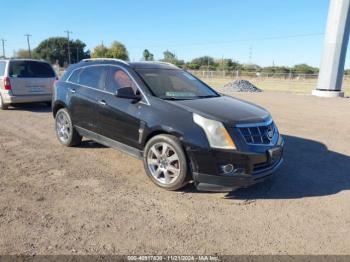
[(56, 49), (147, 55), (192, 66), (251, 67), (276, 70), (22, 53), (304, 69), (169, 57), (227, 64), (204, 62), (118, 50), (78, 52), (99, 51)]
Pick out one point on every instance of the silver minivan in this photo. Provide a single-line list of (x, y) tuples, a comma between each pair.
[(25, 81)]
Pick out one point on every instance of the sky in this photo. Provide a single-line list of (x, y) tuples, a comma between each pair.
[(264, 32)]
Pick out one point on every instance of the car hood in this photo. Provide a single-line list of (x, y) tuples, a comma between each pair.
[(226, 109)]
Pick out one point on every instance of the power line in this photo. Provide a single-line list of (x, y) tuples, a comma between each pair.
[(68, 33), (28, 36), (237, 40), (3, 47), (250, 54)]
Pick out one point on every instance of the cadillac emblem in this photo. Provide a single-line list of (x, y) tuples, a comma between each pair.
[(270, 132)]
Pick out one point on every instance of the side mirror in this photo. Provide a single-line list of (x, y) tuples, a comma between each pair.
[(127, 93)]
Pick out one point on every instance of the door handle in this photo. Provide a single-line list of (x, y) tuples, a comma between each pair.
[(72, 90), (102, 102)]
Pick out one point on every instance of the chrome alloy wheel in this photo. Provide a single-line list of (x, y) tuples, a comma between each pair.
[(163, 163), (63, 127)]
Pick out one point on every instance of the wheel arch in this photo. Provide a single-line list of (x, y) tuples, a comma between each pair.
[(57, 106), (157, 132), (181, 139)]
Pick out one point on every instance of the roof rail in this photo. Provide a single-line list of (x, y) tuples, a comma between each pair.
[(159, 62), (105, 59)]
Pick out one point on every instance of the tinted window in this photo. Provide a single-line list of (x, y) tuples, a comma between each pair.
[(74, 78), (118, 78), (66, 73), (30, 69), (175, 84), (93, 76), (2, 68)]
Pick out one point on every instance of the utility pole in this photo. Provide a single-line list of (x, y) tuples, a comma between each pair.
[(3, 47), (30, 53), (77, 54), (250, 54), (68, 33), (222, 66)]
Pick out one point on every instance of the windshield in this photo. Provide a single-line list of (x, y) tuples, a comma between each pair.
[(175, 84)]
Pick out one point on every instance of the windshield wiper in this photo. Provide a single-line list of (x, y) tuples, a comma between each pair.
[(207, 96), (176, 98), (169, 98)]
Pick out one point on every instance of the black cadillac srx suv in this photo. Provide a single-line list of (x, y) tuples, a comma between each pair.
[(181, 128)]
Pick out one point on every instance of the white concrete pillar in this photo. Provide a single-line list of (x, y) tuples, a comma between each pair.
[(336, 42)]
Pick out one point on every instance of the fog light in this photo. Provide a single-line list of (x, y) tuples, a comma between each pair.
[(227, 168)]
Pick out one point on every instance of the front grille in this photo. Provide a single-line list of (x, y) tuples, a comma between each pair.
[(258, 134)]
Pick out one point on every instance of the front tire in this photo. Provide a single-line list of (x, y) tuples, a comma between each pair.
[(165, 162), (65, 131)]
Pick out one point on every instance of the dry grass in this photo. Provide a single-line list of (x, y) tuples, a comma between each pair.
[(280, 85)]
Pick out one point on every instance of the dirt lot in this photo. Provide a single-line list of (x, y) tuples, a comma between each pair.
[(94, 200)]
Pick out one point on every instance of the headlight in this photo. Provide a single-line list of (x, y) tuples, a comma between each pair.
[(215, 131)]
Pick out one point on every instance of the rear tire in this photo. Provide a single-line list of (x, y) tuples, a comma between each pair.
[(2, 105), (165, 162), (65, 131)]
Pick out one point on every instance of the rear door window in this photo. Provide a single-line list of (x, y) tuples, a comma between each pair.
[(74, 78), (93, 76), (30, 69), (2, 68)]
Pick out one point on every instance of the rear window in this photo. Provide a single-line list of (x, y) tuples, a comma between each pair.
[(30, 69), (2, 68)]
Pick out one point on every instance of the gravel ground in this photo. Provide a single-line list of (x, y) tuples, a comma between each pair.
[(240, 86), (95, 200)]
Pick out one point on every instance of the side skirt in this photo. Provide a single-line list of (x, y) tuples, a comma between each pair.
[(110, 143)]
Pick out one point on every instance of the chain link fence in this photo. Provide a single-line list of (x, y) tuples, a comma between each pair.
[(291, 82)]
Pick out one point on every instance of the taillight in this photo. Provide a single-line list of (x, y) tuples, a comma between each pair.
[(56, 80), (7, 83)]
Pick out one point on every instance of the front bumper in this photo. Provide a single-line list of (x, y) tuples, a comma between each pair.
[(205, 182), (250, 168)]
